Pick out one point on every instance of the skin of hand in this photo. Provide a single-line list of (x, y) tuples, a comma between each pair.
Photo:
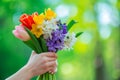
[(42, 63), (38, 64)]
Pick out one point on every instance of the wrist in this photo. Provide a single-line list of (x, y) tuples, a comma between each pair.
[(23, 74), (28, 72)]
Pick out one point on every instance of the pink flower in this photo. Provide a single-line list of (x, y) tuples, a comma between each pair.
[(20, 33)]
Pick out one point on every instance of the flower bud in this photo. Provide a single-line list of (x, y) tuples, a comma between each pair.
[(20, 33)]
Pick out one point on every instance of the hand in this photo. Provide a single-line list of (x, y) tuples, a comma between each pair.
[(38, 64), (41, 63)]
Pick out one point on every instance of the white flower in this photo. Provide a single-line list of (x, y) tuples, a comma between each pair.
[(69, 40), (49, 27)]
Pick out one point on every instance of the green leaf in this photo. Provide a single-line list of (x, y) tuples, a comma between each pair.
[(30, 44), (35, 41), (43, 44), (70, 24), (78, 34)]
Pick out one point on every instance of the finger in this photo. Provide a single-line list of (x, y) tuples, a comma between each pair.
[(49, 69), (51, 64), (57, 62), (53, 70), (33, 53), (49, 54), (52, 59)]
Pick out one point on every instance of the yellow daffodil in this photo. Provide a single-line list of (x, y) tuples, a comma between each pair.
[(49, 14), (37, 30), (39, 19)]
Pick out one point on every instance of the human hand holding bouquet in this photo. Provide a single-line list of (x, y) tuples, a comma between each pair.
[(47, 62), (45, 33)]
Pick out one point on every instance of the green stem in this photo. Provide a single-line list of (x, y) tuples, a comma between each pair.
[(47, 76), (39, 77), (44, 77)]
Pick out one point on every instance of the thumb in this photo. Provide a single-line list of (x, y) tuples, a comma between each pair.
[(33, 53)]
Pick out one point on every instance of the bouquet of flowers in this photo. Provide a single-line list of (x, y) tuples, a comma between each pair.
[(45, 33)]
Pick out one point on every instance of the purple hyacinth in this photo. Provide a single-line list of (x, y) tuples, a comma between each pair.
[(64, 27), (57, 41)]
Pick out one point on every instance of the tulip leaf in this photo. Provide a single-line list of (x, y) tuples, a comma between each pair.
[(78, 34), (35, 41), (70, 24), (30, 44), (43, 44)]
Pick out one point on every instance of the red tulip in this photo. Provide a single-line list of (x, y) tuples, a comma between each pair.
[(27, 21)]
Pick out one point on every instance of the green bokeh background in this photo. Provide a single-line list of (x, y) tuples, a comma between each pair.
[(96, 54)]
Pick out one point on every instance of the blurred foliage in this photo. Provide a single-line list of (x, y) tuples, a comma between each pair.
[(96, 54)]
